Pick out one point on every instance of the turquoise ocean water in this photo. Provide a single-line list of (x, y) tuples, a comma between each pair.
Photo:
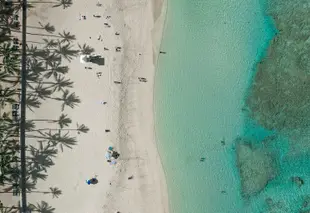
[(212, 47)]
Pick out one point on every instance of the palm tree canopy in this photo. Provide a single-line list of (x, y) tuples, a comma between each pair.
[(11, 64), (7, 96), (7, 49)]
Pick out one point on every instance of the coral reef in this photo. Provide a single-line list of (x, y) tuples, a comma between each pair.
[(256, 167), (276, 206), (279, 98)]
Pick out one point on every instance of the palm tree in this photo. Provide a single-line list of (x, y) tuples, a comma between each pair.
[(64, 3), (86, 49), (42, 207), (66, 37), (6, 49), (66, 51), (56, 69), (50, 43), (69, 99), (6, 96), (49, 28), (11, 64), (14, 80)]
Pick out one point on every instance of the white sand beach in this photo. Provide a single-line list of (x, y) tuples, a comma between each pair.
[(128, 112)]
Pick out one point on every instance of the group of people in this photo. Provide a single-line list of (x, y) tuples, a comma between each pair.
[(111, 155)]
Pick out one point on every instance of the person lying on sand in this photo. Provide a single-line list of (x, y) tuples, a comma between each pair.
[(142, 79), (99, 74), (92, 181)]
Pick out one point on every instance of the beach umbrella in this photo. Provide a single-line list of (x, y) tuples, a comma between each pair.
[(108, 155)]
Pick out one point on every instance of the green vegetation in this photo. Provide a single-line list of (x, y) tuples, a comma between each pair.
[(47, 80)]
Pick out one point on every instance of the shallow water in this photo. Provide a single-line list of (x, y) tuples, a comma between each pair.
[(212, 47)]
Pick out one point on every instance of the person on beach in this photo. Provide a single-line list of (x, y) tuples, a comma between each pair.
[(142, 79), (92, 181), (103, 102), (112, 162), (117, 82), (99, 74)]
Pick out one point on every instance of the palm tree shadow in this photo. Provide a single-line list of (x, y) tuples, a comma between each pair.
[(64, 3), (42, 207)]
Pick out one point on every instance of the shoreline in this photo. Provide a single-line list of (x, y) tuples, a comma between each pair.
[(158, 36), (159, 178)]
